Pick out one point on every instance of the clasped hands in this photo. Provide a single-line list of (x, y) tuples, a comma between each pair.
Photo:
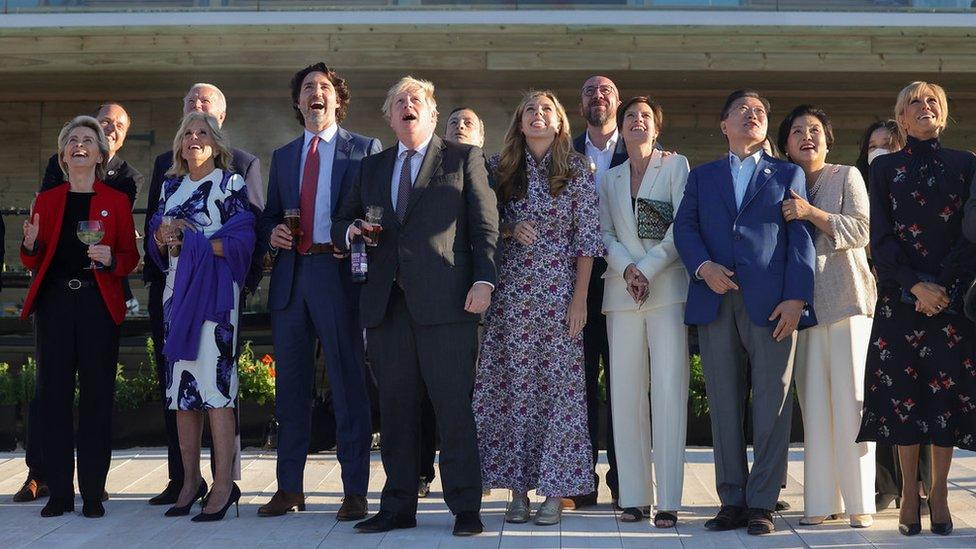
[(931, 298), (637, 284), (171, 233)]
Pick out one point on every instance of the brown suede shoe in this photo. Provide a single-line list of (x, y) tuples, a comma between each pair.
[(353, 508), (31, 490), (282, 502)]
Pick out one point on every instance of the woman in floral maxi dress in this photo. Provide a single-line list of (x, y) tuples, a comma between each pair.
[(529, 396)]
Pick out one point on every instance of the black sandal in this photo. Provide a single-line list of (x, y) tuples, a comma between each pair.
[(665, 515), (631, 514)]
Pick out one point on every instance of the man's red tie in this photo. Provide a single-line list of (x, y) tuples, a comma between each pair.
[(310, 185)]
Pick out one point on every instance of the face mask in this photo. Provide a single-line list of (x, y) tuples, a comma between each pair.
[(876, 153)]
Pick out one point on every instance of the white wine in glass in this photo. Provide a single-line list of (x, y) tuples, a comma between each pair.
[(91, 233)]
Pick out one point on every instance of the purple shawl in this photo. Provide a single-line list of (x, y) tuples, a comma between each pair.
[(204, 285)]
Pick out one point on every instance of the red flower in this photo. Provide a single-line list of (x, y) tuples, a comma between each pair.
[(271, 371), (266, 359)]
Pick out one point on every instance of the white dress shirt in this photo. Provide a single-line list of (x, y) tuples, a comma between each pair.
[(323, 193), (601, 158), (415, 163), (742, 172)]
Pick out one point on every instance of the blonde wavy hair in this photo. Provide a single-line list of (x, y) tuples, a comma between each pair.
[(100, 141), (221, 147), (409, 84), (513, 182), (914, 91)]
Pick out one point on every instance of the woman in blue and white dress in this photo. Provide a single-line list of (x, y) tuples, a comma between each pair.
[(203, 236)]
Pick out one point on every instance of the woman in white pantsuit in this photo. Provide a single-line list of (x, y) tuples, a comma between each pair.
[(838, 473), (644, 299)]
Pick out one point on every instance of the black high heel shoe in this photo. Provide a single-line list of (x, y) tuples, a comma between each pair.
[(182, 511), (941, 528), (235, 498), (56, 507), (914, 528)]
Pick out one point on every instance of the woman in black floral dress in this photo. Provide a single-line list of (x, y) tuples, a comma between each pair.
[(921, 374)]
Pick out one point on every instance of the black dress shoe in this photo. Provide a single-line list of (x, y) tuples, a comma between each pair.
[(56, 507), (468, 523), (93, 509), (384, 521), (31, 490), (782, 505), (760, 522), (729, 517), (580, 501), (169, 495)]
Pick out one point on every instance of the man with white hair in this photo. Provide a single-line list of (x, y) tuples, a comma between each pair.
[(207, 98), (431, 276)]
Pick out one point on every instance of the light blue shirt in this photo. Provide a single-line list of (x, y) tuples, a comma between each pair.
[(323, 193), (742, 172), (415, 163)]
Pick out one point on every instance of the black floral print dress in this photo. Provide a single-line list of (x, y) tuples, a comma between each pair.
[(920, 377)]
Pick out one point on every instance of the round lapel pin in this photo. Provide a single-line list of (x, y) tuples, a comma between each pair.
[(111, 173), (104, 213)]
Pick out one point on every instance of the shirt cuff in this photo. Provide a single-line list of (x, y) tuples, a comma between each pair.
[(698, 270), (490, 285)]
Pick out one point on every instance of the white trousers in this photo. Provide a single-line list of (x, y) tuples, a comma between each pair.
[(838, 474), (658, 334)]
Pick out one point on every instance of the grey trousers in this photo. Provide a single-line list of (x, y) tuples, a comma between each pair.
[(729, 344)]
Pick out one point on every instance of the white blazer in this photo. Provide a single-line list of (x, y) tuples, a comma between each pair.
[(664, 180)]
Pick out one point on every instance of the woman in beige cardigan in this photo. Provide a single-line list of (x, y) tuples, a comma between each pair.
[(644, 298), (838, 473)]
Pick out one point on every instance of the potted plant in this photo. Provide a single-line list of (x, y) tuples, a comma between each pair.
[(255, 400), (9, 398), (136, 418)]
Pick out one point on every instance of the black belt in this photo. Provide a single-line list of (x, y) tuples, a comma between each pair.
[(74, 283), (316, 249)]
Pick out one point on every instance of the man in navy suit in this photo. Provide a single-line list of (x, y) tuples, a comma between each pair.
[(311, 292), (207, 98), (752, 287)]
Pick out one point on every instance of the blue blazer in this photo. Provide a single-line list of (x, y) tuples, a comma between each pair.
[(773, 260), (284, 187)]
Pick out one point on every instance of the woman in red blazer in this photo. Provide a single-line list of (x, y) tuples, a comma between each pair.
[(77, 311)]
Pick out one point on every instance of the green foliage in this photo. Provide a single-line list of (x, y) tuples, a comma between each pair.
[(28, 380), (696, 388), (10, 391), (256, 376), (132, 392)]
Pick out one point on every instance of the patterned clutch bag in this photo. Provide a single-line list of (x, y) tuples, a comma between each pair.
[(653, 218)]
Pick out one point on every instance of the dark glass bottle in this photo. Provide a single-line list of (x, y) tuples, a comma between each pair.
[(359, 260)]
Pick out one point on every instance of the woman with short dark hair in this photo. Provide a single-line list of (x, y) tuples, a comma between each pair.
[(838, 474)]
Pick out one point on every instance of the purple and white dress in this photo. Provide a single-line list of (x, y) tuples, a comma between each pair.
[(530, 395), (210, 381)]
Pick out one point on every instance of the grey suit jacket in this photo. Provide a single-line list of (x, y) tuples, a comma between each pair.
[(446, 242)]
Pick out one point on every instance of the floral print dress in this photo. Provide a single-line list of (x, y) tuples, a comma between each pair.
[(529, 396), (920, 376), (210, 381)]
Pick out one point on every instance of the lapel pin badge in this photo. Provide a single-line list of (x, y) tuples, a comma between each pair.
[(767, 171), (111, 172), (104, 213)]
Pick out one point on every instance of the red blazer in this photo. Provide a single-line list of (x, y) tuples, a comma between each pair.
[(107, 204)]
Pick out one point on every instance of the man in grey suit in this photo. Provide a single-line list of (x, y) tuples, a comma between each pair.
[(430, 277)]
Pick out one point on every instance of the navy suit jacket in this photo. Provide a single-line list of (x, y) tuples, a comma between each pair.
[(284, 186), (773, 260)]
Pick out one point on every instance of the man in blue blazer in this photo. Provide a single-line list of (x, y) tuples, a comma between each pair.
[(752, 287), (311, 294)]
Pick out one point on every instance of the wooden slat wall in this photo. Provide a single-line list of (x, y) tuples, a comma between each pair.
[(49, 75)]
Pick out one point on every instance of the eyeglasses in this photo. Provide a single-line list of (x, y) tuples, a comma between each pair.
[(604, 89)]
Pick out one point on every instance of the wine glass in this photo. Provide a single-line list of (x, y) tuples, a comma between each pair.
[(91, 233)]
